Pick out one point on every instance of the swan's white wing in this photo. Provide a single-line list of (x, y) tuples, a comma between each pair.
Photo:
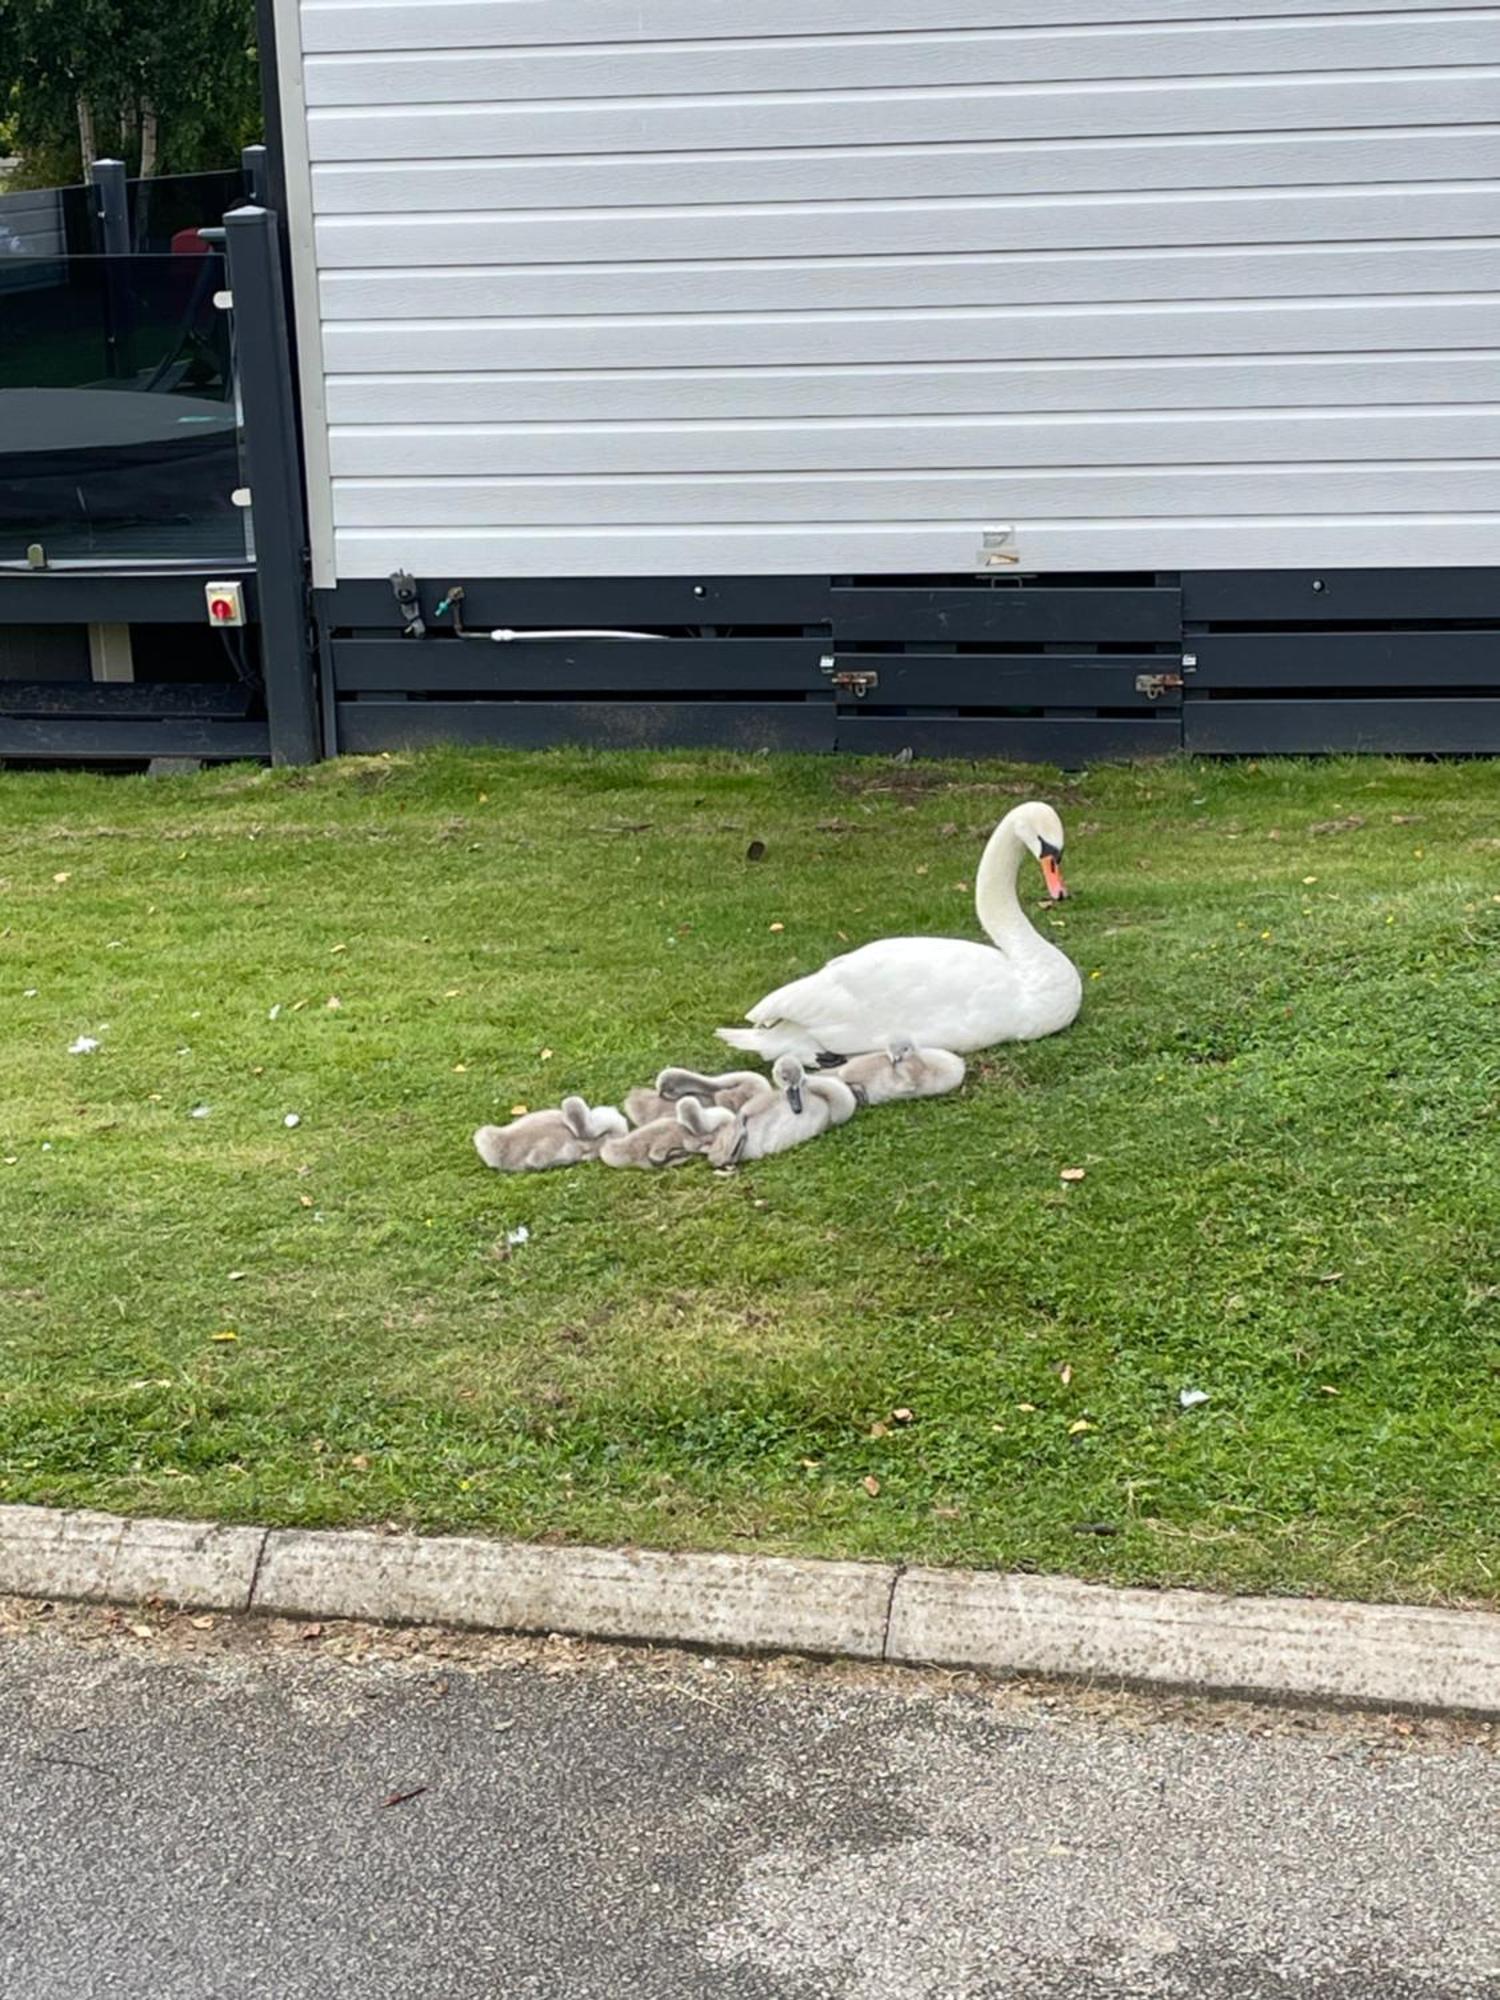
[(934, 989), (790, 1002)]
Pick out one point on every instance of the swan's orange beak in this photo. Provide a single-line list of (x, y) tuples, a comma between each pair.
[(1052, 875)]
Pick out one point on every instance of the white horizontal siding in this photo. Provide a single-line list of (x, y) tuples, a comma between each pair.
[(841, 117), (984, 388), (1289, 326), (811, 63), (929, 496), (340, 27), (673, 285), (877, 229), (1246, 273), (905, 548), (1169, 437), (877, 173)]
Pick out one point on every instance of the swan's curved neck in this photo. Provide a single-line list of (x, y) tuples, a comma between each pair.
[(995, 897)]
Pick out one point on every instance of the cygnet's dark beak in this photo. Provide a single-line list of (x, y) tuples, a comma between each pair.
[(794, 1098)]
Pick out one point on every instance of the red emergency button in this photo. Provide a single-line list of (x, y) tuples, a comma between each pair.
[(226, 604)]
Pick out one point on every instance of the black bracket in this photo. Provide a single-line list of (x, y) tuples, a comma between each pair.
[(404, 584)]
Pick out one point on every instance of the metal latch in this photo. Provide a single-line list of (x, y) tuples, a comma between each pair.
[(849, 680), (1154, 686), (409, 603), (998, 550)]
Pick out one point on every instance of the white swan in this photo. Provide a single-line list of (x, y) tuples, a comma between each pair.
[(943, 993)]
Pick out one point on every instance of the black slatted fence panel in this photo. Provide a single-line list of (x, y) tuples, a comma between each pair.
[(1313, 727), (613, 725)]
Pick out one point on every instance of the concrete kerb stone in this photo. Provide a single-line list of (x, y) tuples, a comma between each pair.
[(738, 1603), (46, 1552), (1385, 1656)]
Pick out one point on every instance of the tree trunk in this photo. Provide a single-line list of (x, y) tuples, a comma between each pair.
[(87, 143), (150, 131), (150, 136)]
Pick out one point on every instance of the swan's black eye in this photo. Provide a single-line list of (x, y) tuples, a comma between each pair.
[(1050, 852)]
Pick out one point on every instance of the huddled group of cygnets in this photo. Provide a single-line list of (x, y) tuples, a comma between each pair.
[(889, 1021), (742, 1115)]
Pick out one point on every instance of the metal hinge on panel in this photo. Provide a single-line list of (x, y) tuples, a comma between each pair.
[(1154, 686), (998, 549), (848, 680)]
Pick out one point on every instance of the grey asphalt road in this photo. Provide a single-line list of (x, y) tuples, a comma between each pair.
[(236, 1810)]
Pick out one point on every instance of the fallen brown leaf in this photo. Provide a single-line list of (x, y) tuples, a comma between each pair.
[(871, 1485), (1073, 1174)]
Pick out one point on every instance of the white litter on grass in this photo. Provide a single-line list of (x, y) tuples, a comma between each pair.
[(517, 1236), (1193, 1399), (200, 1111), (84, 1046), (30, 993), (292, 1120), (275, 1013)]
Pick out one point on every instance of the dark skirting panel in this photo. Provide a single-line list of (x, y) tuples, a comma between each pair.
[(603, 725), (1410, 726), (1339, 596), (129, 721), (1066, 669), (1319, 661)]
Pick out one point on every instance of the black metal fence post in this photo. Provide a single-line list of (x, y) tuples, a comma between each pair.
[(255, 165), (107, 178), (272, 459), (112, 211)]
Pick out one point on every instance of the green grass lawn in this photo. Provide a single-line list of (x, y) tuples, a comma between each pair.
[(1284, 1089)]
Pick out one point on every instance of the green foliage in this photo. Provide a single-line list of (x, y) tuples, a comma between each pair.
[(1284, 1092), (193, 62)]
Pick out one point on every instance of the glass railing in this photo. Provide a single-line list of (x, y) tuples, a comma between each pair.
[(164, 215), (119, 427)]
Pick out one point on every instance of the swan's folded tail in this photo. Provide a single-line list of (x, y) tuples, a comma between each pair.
[(782, 1040)]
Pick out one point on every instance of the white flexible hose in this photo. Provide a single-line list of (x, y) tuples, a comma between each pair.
[(505, 636)]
